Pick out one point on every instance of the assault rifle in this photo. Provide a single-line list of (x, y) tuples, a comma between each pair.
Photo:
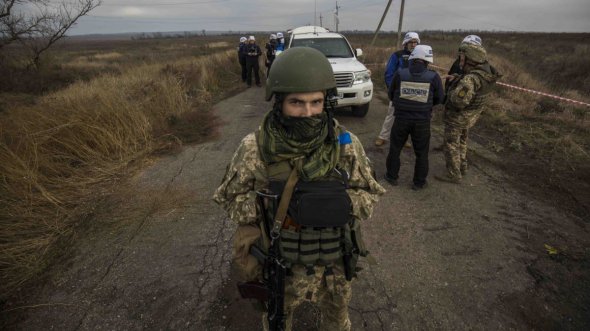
[(272, 290)]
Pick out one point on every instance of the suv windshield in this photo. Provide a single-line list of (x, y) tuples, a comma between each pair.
[(331, 47)]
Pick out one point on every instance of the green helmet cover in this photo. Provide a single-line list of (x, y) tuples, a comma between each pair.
[(299, 70), (475, 53)]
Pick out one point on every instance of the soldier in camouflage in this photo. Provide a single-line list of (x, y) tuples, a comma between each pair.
[(299, 133), (466, 98)]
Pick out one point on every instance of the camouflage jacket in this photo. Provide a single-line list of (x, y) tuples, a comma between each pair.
[(467, 95), (247, 173)]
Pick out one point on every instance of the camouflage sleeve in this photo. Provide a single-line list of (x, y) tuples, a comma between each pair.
[(462, 95), (243, 176), (364, 189)]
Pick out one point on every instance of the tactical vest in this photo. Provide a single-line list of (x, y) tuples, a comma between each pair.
[(480, 96), (271, 50), (252, 50), (319, 222), (414, 93)]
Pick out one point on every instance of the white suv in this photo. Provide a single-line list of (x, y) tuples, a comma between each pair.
[(353, 79)]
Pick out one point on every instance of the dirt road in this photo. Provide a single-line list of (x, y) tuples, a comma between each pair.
[(470, 256)]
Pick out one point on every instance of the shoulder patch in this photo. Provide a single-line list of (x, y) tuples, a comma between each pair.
[(344, 138)]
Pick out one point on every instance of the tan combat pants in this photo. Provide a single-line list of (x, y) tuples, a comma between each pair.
[(457, 125), (331, 294)]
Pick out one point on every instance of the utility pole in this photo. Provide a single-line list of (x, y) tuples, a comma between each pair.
[(381, 22), (336, 19), (399, 27), (321, 20), (315, 15)]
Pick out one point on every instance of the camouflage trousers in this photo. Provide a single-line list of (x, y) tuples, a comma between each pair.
[(457, 125), (330, 293)]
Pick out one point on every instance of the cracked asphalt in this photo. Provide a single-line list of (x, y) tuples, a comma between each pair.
[(471, 256)]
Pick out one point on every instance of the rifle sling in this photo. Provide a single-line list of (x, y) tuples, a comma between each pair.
[(284, 204)]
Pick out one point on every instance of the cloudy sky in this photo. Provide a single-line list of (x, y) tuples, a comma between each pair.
[(115, 16)]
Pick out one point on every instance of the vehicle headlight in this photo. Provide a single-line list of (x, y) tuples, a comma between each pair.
[(362, 76)]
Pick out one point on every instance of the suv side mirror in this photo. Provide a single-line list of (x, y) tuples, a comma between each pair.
[(358, 52)]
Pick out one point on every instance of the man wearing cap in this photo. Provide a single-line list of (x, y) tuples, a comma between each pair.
[(253, 52), (413, 92), (465, 101), (300, 156), (242, 57), (396, 61)]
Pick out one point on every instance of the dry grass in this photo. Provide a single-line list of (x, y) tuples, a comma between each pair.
[(61, 153)]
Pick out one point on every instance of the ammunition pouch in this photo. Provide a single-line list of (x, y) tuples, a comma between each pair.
[(319, 204)]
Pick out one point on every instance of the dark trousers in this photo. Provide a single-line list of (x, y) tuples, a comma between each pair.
[(419, 131), (252, 65), (243, 65)]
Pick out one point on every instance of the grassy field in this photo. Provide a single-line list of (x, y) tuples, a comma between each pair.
[(72, 131)]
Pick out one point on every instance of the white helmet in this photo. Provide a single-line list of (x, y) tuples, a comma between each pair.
[(243, 39), (472, 39), (422, 52), (273, 36), (409, 36), (279, 35), (251, 38)]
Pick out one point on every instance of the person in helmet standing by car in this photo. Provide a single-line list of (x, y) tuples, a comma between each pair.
[(465, 101), (280, 43), (413, 92), (242, 57), (271, 49), (253, 52), (396, 61), (299, 147)]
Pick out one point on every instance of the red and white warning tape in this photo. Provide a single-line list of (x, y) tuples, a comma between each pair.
[(543, 93), (532, 91)]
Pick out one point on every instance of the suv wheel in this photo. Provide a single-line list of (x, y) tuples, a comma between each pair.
[(360, 111)]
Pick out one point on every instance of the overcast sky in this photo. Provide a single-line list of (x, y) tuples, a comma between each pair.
[(115, 16)]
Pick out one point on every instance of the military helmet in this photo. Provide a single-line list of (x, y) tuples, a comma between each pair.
[(474, 53), (472, 39), (299, 70)]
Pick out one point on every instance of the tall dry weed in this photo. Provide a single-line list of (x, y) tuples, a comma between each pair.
[(59, 155)]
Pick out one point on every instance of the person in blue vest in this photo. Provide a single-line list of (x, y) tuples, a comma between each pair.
[(414, 91), (242, 57), (396, 61), (280, 43)]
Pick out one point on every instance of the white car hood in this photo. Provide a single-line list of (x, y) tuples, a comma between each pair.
[(346, 64)]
